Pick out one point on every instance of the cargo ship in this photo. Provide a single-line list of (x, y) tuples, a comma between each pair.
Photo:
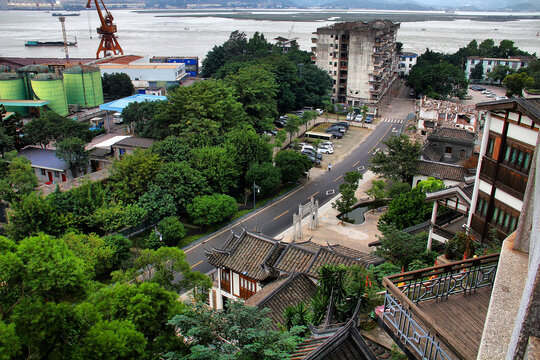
[(60, 14), (49, 43)]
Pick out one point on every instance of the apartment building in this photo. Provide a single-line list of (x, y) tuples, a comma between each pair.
[(360, 57), (515, 63), (406, 62)]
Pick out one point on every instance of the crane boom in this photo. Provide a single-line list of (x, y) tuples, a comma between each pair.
[(106, 31)]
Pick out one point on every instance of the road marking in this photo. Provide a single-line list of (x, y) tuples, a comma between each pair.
[(339, 177), (330, 192), (313, 195), (277, 217), (360, 168), (197, 264), (356, 163), (395, 130)]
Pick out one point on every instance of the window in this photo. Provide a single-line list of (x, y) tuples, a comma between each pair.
[(248, 287), (56, 174), (491, 145), (517, 157), (122, 151), (43, 173), (489, 62), (462, 153)]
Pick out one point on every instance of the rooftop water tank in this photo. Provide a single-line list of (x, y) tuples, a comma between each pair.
[(83, 86), (51, 87)]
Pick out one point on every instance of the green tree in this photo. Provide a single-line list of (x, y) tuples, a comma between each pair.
[(281, 136), (172, 149), (162, 266), (202, 112), (477, 73), (172, 231), (17, 178), (399, 161), (293, 125), (364, 110), (212, 209), (377, 190), (499, 72), (401, 248), (72, 151), (148, 306), (116, 86), (140, 114), (217, 334), (115, 340), (256, 89), (10, 345), (218, 166), (214, 60), (411, 208), (347, 190), (157, 203), (97, 254), (515, 83), (33, 214), (132, 175), (182, 182), (439, 80), (54, 128), (292, 165), (121, 249), (266, 176), (249, 148), (116, 216), (7, 143), (487, 48)]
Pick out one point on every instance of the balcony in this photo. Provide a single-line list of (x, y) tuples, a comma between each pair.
[(314, 40), (438, 313), (508, 179)]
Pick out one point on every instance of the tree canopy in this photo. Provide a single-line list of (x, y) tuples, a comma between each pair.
[(399, 161), (116, 86)]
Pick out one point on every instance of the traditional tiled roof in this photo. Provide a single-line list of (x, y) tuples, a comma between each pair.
[(430, 152), (307, 257), (452, 133), (277, 296), (344, 344), (249, 254), (441, 170)]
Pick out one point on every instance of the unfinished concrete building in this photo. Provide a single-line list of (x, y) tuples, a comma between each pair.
[(360, 57)]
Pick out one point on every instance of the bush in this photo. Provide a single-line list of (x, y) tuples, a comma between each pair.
[(461, 245), (171, 230), (211, 209)]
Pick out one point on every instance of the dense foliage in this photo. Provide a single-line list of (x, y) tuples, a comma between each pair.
[(344, 203), (399, 161), (116, 86)]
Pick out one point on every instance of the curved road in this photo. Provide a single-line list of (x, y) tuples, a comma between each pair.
[(276, 217)]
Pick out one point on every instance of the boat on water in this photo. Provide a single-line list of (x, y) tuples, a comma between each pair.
[(70, 14), (49, 43)]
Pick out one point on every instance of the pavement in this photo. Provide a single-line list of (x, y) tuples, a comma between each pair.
[(333, 232)]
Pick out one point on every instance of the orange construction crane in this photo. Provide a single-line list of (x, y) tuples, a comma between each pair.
[(106, 32)]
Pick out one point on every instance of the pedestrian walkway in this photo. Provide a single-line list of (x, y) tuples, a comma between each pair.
[(395, 121)]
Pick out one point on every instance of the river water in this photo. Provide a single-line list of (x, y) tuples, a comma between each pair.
[(147, 35)]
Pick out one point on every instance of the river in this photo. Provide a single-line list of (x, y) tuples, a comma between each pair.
[(147, 35)]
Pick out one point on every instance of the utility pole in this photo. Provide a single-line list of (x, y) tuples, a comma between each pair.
[(256, 188), (62, 21)]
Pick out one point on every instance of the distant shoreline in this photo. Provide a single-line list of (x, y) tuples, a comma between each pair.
[(330, 15)]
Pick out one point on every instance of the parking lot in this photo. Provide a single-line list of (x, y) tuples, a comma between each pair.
[(342, 148), (478, 97)]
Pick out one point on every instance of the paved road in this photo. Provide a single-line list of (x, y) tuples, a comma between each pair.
[(275, 218)]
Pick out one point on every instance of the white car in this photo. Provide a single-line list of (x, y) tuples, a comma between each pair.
[(486, 92), (319, 111), (350, 116), (358, 118), (325, 150), (327, 143), (501, 98)]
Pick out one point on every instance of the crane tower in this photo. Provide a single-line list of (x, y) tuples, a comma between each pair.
[(106, 31)]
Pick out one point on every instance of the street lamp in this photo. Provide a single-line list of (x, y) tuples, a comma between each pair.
[(255, 188)]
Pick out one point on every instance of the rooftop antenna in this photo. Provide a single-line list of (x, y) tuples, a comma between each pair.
[(62, 21)]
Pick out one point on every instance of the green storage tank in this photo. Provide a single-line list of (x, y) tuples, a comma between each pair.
[(28, 72), (12, 88), (51, 87), (83, 86)]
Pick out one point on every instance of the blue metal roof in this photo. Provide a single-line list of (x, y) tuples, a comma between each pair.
[(43, 158), (120, 104)]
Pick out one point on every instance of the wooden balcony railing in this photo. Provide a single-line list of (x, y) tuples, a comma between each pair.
[(416, 330), (226, 286), (513, 181)]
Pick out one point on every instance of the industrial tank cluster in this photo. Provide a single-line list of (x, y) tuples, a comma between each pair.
[(79, 85)]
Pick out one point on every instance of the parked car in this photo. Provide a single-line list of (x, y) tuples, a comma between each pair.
[(327, 143), (343, 123), (335, 133), (467, 97), (411, 93), (501, 98), (350, 116), (319, 111), (312, 153), (281, 122), (491, 95), (338, 128), (313, 159), (358, 118), (486, 92), (369, 119), (325, 150), (477, 88)]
